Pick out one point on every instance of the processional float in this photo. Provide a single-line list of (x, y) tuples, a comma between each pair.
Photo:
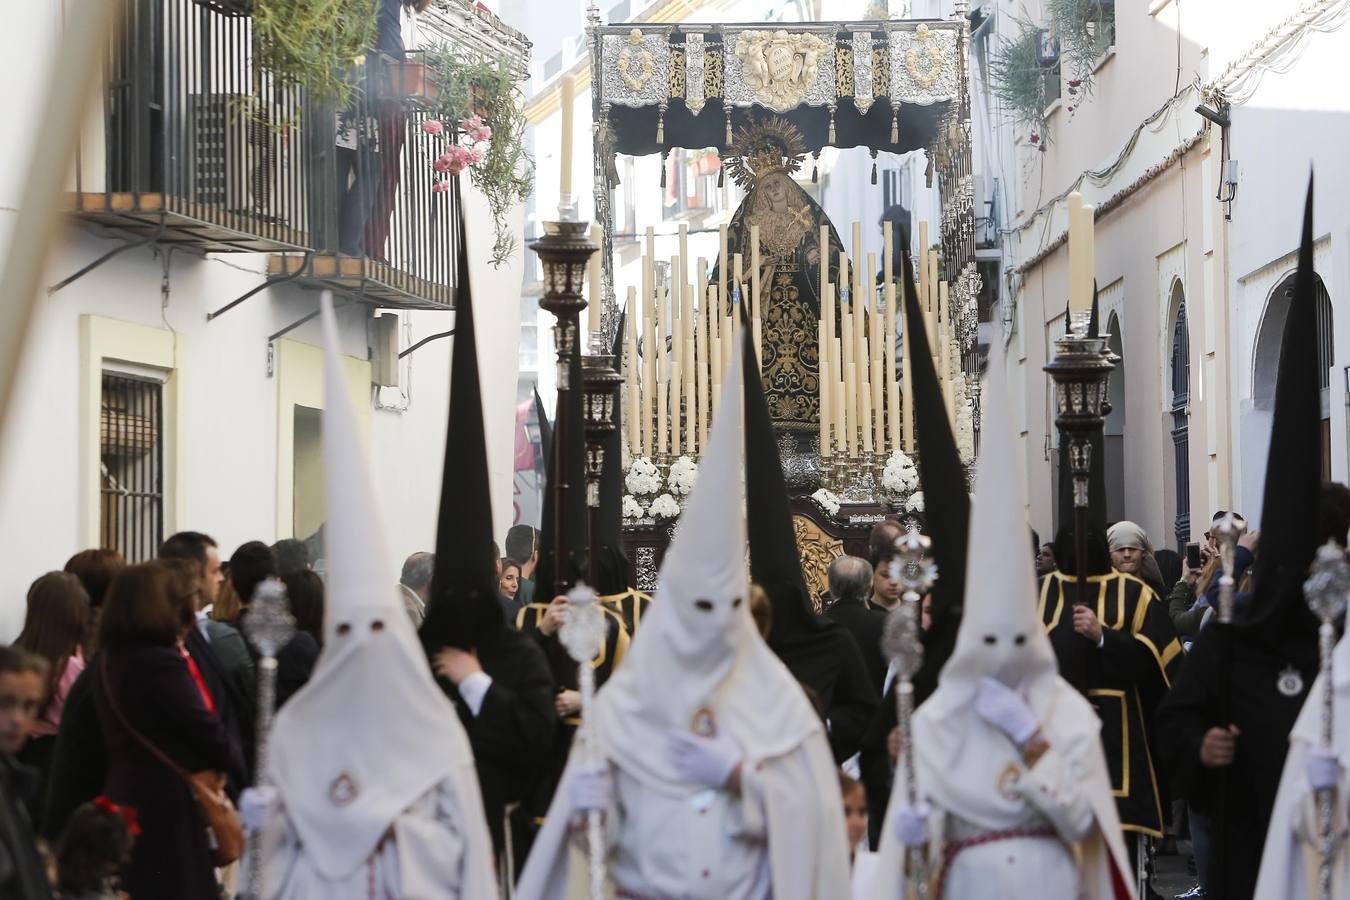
[(760, 98)]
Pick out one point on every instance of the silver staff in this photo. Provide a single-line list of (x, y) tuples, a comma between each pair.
[(1326, 589), (901, 641), (1229, 530), (268, 625), (583, 634)]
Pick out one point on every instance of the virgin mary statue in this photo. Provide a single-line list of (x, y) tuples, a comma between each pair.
[(768, 152)]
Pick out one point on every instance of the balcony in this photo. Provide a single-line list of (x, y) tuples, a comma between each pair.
[(196, 145)]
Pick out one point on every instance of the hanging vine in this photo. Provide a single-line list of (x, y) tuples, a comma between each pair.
[(314, 43), (1086, 30), (490, 90), (1018, 79)]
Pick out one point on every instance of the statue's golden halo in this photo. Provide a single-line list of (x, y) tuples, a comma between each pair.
[(763, 147)]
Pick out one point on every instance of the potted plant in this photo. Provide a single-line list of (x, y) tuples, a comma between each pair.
[(313, 43), (488, 90), (1087, 30), (1017, 78)]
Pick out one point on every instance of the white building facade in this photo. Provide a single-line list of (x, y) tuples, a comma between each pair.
[(1190, 283), (138, 413)]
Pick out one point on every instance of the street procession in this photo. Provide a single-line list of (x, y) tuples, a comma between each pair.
[(675, 450)]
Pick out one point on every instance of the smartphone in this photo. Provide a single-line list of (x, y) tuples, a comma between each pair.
[(1193, 556)]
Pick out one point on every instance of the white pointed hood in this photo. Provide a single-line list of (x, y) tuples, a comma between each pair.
[(371, 732), (959, 758), (698, 647)]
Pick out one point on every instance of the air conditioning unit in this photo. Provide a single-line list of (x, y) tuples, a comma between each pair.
[(237, 147)]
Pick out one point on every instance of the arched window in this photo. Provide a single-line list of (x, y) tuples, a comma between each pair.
[(1181, 398), (1267, 359)]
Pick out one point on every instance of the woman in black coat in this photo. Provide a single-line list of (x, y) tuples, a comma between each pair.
[(148, 692)]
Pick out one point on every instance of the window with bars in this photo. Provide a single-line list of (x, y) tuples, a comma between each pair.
[(131, 465)]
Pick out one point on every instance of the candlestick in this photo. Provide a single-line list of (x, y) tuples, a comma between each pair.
[(722, 262), (565, 199), (878, 407), (675, 408), (822, 342)]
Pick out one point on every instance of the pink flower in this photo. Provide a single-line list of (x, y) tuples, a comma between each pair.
[(471, 123), (440, 187), (442, 163), (480, 134), (1035, 138), (433, 126), (456, 167), (473, 156)]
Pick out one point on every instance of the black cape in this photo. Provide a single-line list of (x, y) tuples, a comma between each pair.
[(1124, 680)]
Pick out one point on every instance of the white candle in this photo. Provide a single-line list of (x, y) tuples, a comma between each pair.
[(824, 402), (1077, 243), (753, 309), (594, 275), (907, 386), (675, 408), (865, 420), (569, 89), (893, 415), (722, 262), (878, 407), (857, 256), (634, 423), (662, 423)]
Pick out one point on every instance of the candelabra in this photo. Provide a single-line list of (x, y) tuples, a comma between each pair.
[(600, 384), (901, 638), (564, 251), (1081, 369), (268, 625), (1326, 590)]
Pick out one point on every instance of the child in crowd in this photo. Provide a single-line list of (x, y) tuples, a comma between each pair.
[(862, 861), (94, 847)]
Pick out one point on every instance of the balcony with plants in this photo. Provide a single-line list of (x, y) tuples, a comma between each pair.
[(300, 129)]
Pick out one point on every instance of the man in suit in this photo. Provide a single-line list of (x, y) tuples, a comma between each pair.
[(850, 580)]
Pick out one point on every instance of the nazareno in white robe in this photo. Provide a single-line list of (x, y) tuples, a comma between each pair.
[(969, 771), (427, 854), (1290, 861), (698, 650), (374, 775)]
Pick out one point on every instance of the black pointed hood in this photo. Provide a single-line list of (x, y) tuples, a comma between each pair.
[(1099, 556), (568, 431), (775, 564), (463, 609), (941, 475), (612, 566), (1289, 526), (545, 426)]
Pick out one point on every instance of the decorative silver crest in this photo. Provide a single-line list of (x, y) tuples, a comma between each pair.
[(268, 622), (1328, 583), (583, 627)]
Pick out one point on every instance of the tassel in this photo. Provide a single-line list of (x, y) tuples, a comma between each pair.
[(663, 171), (661, 127), (815, 162), (895, 125), (874, 171), (833, 139), (720, 172)]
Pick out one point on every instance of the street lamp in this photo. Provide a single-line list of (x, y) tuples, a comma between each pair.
[(564, 251), (1081, 371)]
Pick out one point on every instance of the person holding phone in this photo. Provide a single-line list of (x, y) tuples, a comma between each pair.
[(1198, 574)]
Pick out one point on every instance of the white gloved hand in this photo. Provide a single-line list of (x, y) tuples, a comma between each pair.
[(256, 806), (592, 789), (707, 761), (911, 824), (1324, 769), (1004, 708)]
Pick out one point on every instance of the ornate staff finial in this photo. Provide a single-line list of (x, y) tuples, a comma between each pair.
[(582, 634)]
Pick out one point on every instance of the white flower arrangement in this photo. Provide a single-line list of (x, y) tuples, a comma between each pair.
[(828, 500), (664, 507), (915, 504), (632, 509), (642, 478), (683, 474), (900, 475)]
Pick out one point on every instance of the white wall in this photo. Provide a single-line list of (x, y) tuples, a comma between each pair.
[(1295, 123)]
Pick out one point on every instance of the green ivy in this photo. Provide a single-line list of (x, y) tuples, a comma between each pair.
[(489, 88), (314, 43)]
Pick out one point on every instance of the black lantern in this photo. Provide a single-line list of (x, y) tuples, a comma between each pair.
[(564, 251), (1081, 371)]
